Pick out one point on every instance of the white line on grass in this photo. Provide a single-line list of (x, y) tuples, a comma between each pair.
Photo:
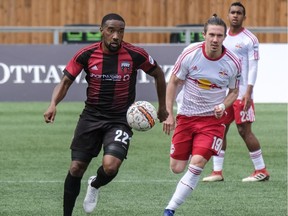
[(58, 181)]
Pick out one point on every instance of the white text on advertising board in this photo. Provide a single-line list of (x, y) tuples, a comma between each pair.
[(38, 74)]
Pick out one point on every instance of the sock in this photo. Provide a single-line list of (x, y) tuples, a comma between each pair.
[(102, 178), (185, 186), (218, 161), (71, 191), (257, 159)]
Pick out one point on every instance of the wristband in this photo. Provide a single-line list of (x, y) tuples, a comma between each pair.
[(222, 106)]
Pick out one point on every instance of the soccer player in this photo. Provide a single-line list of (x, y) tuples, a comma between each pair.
[(245, 45), (205, 70), (111, 70)]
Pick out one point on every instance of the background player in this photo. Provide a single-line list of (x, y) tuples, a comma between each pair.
[(245, 45), (111, 71)]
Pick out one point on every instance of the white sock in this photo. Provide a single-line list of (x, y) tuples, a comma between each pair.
[(218, 161), (185, 186), (257, 159)]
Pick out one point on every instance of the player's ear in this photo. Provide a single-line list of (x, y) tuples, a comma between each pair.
[(203, 34)]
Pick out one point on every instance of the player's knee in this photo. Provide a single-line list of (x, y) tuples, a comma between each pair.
[(177, 168), (110, 169), (241, 132), (244, 130), (111, 164), (78, 168)]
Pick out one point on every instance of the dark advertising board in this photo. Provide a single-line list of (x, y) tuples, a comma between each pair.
[(30, 72)]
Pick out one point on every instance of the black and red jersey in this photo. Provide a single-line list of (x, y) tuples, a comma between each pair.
[(111, 77)]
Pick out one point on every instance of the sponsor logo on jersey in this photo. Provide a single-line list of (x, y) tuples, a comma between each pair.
[(111, 77), (205, 84)]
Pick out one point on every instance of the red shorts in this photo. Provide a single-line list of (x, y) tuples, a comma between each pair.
[(197, 136), (236, 112)]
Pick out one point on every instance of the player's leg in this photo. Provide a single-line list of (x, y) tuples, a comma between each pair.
[(255, 152), (72, 182), (105, 174), (244, 120), (218, 160), (180, 152), (203, 147), (186, 184), (82, 145), (116, 144)]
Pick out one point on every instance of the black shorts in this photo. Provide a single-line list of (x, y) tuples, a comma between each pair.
[(93, 132)]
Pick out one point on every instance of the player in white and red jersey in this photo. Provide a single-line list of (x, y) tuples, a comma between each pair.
[(206, 70), (245, 45)]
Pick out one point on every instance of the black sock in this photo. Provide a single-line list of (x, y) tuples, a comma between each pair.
[(71, 191), (102, 178)]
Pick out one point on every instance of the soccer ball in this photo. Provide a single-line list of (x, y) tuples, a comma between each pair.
[(141, 116)]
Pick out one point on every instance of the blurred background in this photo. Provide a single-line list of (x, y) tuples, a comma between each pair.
[(36, 42), (149, 13)]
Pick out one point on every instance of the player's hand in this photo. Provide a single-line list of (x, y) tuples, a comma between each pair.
[(162, 114), (219, 110), (246, 101), (169, 124), (50, 114)]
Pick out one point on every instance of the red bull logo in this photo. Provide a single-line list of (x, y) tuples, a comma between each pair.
[(205, 84)]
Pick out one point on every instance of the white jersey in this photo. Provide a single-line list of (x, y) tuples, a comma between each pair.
[(246, 46), (206, 79)]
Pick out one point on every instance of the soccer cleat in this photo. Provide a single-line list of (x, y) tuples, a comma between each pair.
[(91, 197), (168, 212), (214, 176), (257, 175)]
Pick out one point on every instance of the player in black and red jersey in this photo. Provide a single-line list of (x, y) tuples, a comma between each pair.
[(111, 69)]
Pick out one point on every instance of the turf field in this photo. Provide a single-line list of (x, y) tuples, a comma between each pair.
[(34, 159)]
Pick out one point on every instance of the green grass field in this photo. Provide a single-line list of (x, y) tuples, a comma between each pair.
[(35, 156)]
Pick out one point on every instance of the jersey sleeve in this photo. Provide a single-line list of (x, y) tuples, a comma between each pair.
[(147, 64), (253, 57), (253, 48), (75, 65), (235, 69), (235, 79), (180, 68)]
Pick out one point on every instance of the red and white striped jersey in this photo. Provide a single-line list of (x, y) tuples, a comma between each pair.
[(246, 46), (206, 79)]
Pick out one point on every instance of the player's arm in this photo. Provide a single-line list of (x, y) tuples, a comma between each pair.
[(228, 101), (171, 91), (252, 76), (231, 97), (58, 94), (160, 83)]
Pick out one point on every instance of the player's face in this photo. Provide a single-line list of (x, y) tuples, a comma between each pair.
[(112, 35), (236, 16), (214, 38)]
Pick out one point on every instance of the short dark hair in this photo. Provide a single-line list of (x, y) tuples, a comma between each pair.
[(111, 16), (239, 4), (214, 20)]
